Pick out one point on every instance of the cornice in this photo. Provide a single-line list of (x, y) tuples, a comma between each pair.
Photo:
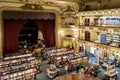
[(28, 10), (60, 5), (115, 11)]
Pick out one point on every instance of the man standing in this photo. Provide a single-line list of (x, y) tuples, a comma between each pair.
[(77, 67)]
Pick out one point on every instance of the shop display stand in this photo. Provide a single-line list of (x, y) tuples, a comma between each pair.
[(22, 67), (111, 72), (52, 71)]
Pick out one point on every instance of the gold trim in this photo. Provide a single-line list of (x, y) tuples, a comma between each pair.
[(32, 7), (57, 25)]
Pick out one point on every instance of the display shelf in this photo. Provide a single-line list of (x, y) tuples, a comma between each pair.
[(17, 57), (54, 50), (13, 62), (24, 75), (60, 57), (109, 38), (69, 57), (19, 67), (116, 38), (77, 55), (80, 60), (111, 72)]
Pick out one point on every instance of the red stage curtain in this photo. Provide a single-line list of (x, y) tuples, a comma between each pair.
[(12, 28), (47, 27)]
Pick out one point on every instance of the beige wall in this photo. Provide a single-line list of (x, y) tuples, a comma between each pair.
[(81, 20), (93, 36), (82, 34), (104, 4)]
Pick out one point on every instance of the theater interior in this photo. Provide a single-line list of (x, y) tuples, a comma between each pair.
[(59, 40)]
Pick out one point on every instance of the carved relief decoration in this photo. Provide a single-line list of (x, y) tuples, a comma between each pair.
[(32, 6)]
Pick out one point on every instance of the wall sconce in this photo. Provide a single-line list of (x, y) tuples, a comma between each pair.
[(62, 33), (75, 32)]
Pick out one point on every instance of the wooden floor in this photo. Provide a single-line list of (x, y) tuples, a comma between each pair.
[(76, 77)]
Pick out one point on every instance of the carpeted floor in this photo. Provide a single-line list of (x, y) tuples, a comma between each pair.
[(43, 74)]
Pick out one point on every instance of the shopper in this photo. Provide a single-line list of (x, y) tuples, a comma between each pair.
[(95, 70), (86, 68), (81, 70), (69, 68), (92, 72), (77, 67), (66, 68), (87, 72)]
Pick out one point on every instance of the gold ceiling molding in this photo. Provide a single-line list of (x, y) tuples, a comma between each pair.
[(69, 12), (2, 9), (37, 2), (33, 1), (69, 9), (60, 4), (32, 6)]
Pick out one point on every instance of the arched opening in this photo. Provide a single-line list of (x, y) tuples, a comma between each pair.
[(28, 33), (17, 24)]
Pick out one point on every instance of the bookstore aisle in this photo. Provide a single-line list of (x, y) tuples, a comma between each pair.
[(43, 74), (102, 71), (45, 65)]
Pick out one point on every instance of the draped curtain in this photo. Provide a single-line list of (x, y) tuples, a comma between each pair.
[(12, 28), (47, 27)]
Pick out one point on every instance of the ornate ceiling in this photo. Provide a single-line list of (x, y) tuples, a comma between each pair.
[(59, 5), (79, 0)]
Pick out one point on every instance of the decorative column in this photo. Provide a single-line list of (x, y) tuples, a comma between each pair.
[(61, 38), (84, 46), (99, 4), (98, 20), (1, 35), (109, 1), (98, 54)]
